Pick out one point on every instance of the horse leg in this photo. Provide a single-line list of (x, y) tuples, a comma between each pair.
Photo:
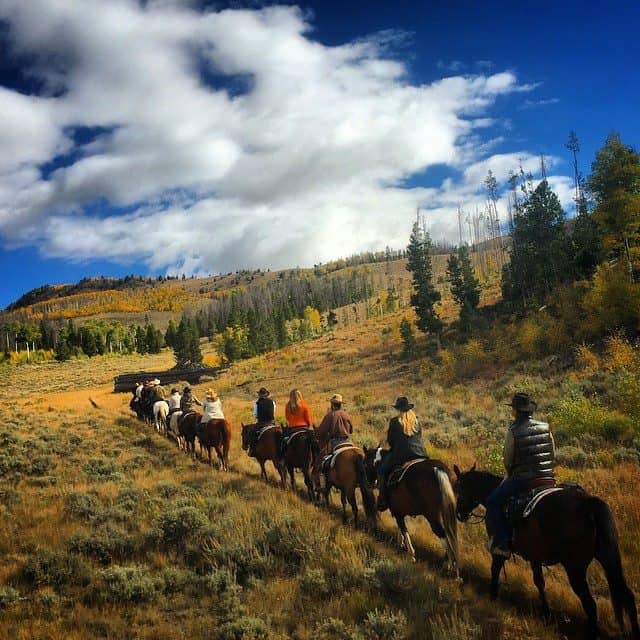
[(308, 483), (220, 454), (292, 475), (282, 472), (406, 538), (263, 471), (578, 580), (438, 529), (538, 580), (343, 500), (497, 562), (354, 505)]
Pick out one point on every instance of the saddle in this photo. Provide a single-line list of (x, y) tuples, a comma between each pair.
[(523, 505), (262, 430), (396, 476), (329, 461), (286, 440)]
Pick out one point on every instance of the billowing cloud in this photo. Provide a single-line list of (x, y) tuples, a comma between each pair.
[(205, 141)]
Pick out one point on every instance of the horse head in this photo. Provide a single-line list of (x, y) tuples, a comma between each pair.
[(372, 458), (245, 435), (468, 492)]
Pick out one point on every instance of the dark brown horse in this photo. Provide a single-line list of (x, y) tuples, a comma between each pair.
[(216, 434), (267, 448), (425, 490), (568, 527), (300, 453), (346, 474), (187, 432)]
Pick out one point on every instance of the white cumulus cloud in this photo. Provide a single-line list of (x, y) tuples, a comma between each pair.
[(204, 141)]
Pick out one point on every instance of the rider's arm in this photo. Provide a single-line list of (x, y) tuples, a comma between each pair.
[(306, 414), (509, 451), (255, 410)]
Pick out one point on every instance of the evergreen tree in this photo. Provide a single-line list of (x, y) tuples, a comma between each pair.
[(424, 295), (141, 340), (615, 186), (187, 343), (332, 319), (62, 347), (408, 339), (170, 334), (465, 287), (541, 255)]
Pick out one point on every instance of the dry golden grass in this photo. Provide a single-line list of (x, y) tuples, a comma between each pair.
[(357, 361)]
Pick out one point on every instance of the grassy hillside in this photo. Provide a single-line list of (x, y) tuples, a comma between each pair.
[(110, 532)]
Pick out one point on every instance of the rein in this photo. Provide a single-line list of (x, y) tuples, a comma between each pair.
[(478, 518)]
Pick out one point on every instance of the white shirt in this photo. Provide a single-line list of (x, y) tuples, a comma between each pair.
[(174, 401), (139, 389), (212, 410)]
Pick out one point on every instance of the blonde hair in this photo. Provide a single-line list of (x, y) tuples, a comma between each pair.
[(295, 397), (212, 394), (408, 421)]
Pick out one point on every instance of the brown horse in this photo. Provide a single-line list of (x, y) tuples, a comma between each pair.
[(217, 434), (187, 432), (568, 527), (346, 474), (425, 490), (300, 453), (267, 448)]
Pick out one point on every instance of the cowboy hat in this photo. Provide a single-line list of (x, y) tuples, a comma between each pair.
[(263, 392), (522, 402), (402, 404), (155, 381), (336, 398)]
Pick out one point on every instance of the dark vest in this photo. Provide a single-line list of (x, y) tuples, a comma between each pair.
[(265, 410), (533, 450)]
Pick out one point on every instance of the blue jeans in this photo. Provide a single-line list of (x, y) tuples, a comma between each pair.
[(497, 524)]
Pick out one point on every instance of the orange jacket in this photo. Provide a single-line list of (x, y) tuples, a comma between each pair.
[(302, 417)]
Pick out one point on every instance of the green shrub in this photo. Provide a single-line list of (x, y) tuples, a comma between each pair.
[(129, 584), (623, 454), (394, 580), (44, 481), (8, 596), (385, 625), (571, 456), (9, 496), (313, 583), (82, 506), (179, 526), (105, 545), (56, 569), (243, 628), (102, 469), (41, 465), (455, 626), (334, 629), (11, 464)]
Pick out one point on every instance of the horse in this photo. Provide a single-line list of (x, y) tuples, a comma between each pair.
[(347, 472), (187, 431), (300, 453), (424, 490), (267, 448), (216, 433), (567, 527), (172, 427), (160, 413)]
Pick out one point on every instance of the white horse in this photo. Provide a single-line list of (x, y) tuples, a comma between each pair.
[(160, 413), (172, 428)]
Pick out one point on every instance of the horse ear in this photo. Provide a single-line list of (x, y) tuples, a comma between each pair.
[(473, 468), (364, 448), (456, 469)]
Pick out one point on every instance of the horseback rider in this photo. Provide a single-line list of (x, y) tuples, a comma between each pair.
[(336, 428), (264, 411), (158, 391), (138, 391), (212, 410), (297, 415), (174, 401), (405, 443), (529, 455), (188, 401)]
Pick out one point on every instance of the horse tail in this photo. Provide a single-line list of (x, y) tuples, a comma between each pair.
[(449, 520), (368, 499), (607, 553)]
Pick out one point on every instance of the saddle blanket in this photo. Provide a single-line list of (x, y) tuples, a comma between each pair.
[(395, 477), (522, 506), (264, 430), (329, 461)]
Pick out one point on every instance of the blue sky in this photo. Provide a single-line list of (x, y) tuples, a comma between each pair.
[(178, 137)]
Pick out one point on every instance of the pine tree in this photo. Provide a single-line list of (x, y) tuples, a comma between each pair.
[(170, 334), (141, 340), (465, 287), (615, 186), (424, 295), (408, 339)]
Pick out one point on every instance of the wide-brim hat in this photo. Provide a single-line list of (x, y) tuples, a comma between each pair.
[(210, 393), (156, 381), (522, 402), (263, 392), (402, 404), (337, 398)]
